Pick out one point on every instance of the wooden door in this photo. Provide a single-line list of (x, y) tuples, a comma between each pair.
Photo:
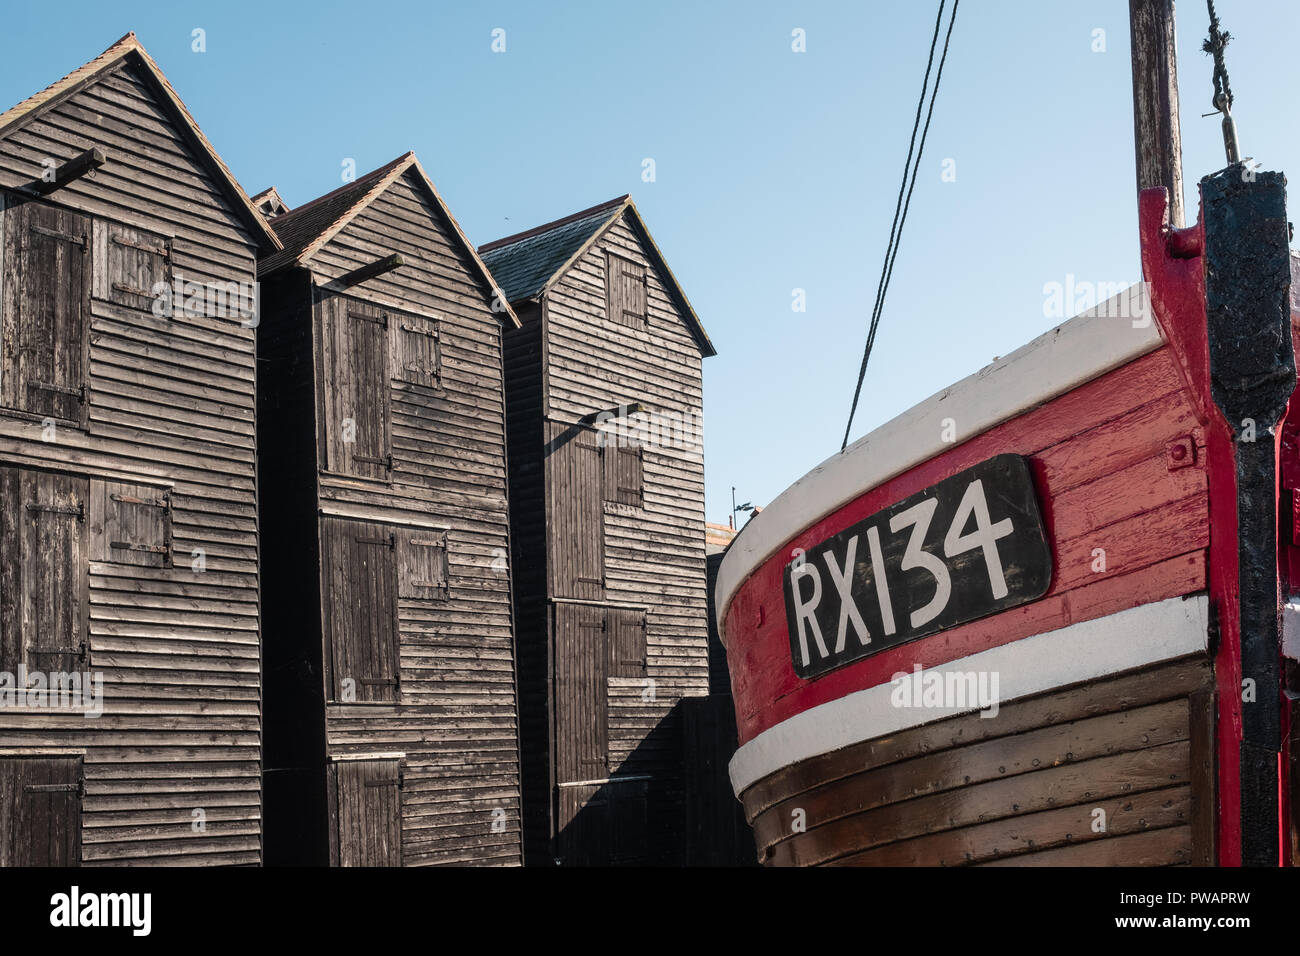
[(43, 570), (583, 837), (40, 811), (368, 811), (603, 824), (628, 823), (581, 694), (46, 305), (355, 389), (576, 513), (359, 588)]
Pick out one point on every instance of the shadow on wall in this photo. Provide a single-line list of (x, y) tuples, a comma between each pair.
[(644, 819)]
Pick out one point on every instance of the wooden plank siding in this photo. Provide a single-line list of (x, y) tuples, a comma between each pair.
[(169, 413), (1023, 789), (452, 713), (589, 544)]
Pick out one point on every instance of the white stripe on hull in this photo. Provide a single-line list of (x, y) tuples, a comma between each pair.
[(1085, 651)]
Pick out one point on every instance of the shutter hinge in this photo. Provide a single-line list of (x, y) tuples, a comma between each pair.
[(143, 502), (127, 546), (77, 390), (78, 512), (164, 253), (63, 237), (79, 788)]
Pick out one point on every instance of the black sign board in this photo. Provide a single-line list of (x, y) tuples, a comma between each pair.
[(967, 547)]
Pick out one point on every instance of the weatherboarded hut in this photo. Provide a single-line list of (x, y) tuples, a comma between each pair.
[(129, 616), (603, 384), (391, 728)]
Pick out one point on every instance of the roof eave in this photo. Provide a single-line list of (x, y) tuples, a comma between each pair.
[(128, 46), (404, 163), (701, 337)]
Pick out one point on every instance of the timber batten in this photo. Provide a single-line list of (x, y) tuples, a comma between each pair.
[(388, 461), (128, 481)]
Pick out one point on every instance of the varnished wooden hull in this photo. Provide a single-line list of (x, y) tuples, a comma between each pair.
[(1118, 772)]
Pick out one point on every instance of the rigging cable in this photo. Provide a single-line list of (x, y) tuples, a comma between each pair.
[(902, 205)]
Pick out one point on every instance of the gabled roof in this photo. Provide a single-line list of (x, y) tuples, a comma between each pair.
[(270, 203), (529, 263), (128, 49), (525, 263), (304, 231)]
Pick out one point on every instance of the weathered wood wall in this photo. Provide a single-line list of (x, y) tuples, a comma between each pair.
[(1021, 790), (453, 713), (170, 407)]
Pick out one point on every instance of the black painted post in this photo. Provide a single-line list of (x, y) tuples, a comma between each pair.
[(1252, 377)]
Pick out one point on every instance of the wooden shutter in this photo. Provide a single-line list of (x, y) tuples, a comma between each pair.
[(43, 570), (43, 341), (40, 811), (417, 354), (625, 474), (581, 694), (355, 386), (627, 645), (422, 564), (130, 524), (368, 808), (130, 263), (576, 513), (359, 584), (625, 291)]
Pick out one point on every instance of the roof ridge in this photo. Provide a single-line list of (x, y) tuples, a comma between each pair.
[(547, 227), (363, 180)]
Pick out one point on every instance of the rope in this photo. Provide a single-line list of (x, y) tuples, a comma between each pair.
[(1214, 46), (902, 205)]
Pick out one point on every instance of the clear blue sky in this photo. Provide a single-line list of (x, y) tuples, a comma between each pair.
[(775, 170)]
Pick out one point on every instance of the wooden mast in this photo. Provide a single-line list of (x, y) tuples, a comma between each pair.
[(1156, 137)]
